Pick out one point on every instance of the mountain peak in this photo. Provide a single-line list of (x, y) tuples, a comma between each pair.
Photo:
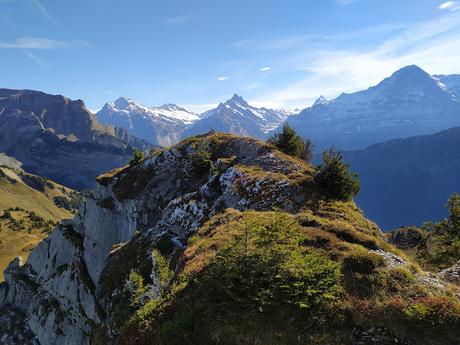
[(171, 106), (238, 100), (123, 102), (321, 100), (410, 71)]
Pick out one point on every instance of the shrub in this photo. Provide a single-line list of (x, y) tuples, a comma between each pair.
[(290, 143), (138, 157), (334, 178), (202, 160), (453, 206), (163, 274), (361, 261), (433, 311), (264, 266)]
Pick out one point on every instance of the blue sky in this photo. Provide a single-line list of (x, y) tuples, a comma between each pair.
[(197, 53)]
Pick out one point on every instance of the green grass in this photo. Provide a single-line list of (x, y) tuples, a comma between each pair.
[(35, 213)]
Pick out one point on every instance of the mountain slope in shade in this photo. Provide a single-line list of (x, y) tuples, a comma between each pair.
[(58, 138), (410, 102), (407, 181), (236, 116), (159, 125)]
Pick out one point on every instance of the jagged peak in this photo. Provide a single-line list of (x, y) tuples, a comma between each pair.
[(321, 100), (172, 106), (237, 99), (123, 102)]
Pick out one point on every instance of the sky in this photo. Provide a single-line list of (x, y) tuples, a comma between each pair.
[(197, 53)]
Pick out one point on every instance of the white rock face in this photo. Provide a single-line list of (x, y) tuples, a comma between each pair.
[(59, 287)]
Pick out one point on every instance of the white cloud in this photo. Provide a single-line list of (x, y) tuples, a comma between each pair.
[(274, 44), (41, 43), (39, 61), (296, 41), (222, 78), (251, 87), (450, 5), (43, 11), (265, 69), (433, 45)]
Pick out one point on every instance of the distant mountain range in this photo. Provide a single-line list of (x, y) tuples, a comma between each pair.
[(167, 124), (408, 181), (410, 102), (55, 137), (58, 138), (159, 125), (236, 116)]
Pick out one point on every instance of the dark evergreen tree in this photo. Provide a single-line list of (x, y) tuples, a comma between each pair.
[(335, 179), (453, 204), (290, 143)]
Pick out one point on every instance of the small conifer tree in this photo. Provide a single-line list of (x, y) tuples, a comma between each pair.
[(290, 143), (335, 179), (453, 205)]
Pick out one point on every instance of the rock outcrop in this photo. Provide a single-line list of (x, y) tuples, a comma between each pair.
[(73, 286), (58, 138), (174, 192)]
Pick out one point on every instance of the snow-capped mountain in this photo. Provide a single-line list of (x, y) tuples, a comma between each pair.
[(159, 125), (236, 116), (452, 82), (410, 102)]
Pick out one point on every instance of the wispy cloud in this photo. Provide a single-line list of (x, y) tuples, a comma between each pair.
[(450, 5), (39, 61), (38, 6), (42, 43), (222, 78), (251, 87), (312, 39), (433, 45), (177, 20), (265, 69), (274, 44)]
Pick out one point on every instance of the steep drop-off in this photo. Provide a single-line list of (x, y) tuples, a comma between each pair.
[(58, 138), (221, 240)]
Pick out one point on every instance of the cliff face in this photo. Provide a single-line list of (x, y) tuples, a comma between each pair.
[(58, 138), (169, 192), (71, 289)]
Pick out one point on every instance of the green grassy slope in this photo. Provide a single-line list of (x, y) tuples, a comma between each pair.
[(29, 207)]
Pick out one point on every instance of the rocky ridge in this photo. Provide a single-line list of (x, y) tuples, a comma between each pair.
[(55, 137), (70, 290)]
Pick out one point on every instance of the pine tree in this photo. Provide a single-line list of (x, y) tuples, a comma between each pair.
[(290, 143), (335, 179), (453, 205)]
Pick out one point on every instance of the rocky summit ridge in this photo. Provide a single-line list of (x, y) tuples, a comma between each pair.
[(136, 258)]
